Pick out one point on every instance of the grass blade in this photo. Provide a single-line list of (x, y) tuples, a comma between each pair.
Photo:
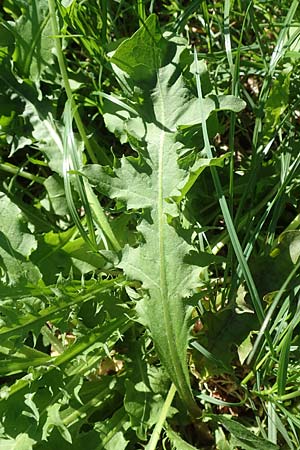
[(225, 210)]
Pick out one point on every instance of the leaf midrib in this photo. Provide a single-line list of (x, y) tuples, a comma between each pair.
[(179, 379)]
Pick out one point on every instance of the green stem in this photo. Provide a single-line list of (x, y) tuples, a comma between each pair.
[(283, 398), (141, 12), (10, 168), (162, 418)]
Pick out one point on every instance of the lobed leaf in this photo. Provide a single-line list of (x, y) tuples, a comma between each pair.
[(154, 72)]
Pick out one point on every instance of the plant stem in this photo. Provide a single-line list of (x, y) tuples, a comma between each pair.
[(141, 12), (10, 168), (160, 423)]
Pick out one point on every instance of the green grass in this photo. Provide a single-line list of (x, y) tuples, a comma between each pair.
[(149, 233)]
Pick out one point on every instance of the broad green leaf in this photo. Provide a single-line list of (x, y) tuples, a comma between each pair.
[(152, 71), (46, 131), (34, 49), (242, 437), (142, 54), (16, 245), (159, 262), (14, 227)]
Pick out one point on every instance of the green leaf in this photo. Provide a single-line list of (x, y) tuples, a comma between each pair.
[(111, 432), (242, 437), (59, 253), (6, 37), (54, 420), (222, 333), (16, 245), (283, 363), (46, 131), (56, 195), (277, 102), (34, 49), (280, 263), (21, 442), (152, 71), (177, 442), (146, 389), (140, 55), (39, 113)]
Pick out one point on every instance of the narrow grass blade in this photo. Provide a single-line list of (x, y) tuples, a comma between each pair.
[(72, 162), (225, 210), (99, 212), (283, 362)]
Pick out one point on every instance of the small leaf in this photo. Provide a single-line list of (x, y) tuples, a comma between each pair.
[(140, 55), (245, 348), (230, 102), (54, 421), (32, 406), (284, 361), (56, 195), (277, 102)]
